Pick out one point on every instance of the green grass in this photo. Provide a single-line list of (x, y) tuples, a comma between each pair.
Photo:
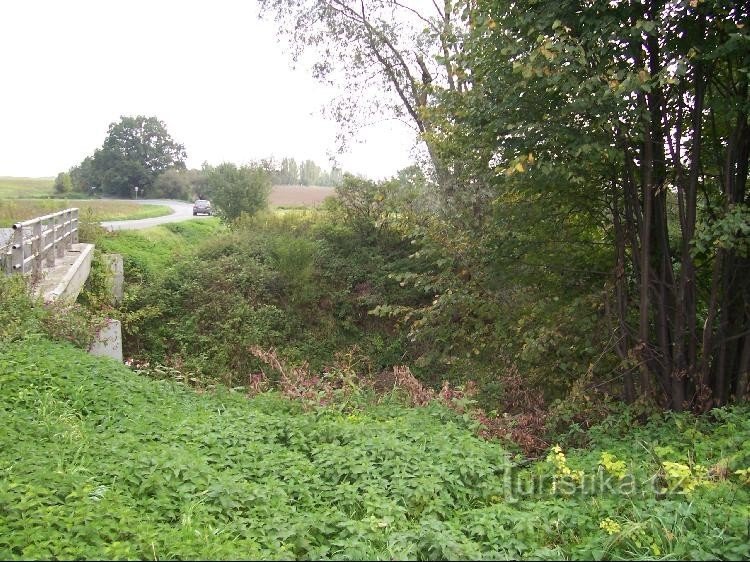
[(99, 462), (11, 187), (152, 250), (94, 210)]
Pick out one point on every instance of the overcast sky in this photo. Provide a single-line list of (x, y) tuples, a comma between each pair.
[(210, 70)]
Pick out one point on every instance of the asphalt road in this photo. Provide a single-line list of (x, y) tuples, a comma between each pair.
[(180, 211)]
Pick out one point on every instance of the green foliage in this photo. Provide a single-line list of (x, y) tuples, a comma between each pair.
[(295, 281), (19, 315), (583, 119), (134, 153), (178, 184), (235, 191), (147, 253), (24, 317), (63, 183), (84, 450), (729, 232), (376, 207), (291, 172)]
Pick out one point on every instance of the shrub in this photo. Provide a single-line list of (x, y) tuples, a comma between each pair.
[(24, 317), (178, 184), (236, 191)]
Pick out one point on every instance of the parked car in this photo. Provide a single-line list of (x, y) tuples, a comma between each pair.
[(201, 206)]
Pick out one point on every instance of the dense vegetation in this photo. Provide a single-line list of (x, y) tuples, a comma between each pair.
[(99, 462), (320, 448), (294, 281), (486, 357), (584, 155), (134, 153)]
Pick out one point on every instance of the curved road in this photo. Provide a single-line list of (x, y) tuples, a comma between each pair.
[(180, 211)]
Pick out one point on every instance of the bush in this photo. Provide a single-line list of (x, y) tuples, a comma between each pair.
[(178, 184), (63, 183), (25, 317), (237, 191)]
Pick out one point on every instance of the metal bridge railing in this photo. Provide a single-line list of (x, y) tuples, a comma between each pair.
[(36, 243)]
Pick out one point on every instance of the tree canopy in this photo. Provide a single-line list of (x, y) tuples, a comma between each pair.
[(588, 156), (236, 191), (135, 152)]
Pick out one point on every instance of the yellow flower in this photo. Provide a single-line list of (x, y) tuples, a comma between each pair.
[(612, 466), (610, 526)]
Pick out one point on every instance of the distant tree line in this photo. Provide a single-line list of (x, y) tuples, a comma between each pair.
[(304, 172), (140, 158)]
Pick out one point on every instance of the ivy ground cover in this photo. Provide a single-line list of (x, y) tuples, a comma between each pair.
[(99, 462)]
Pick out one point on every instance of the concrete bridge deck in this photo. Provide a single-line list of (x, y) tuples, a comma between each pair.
[(64, 281)]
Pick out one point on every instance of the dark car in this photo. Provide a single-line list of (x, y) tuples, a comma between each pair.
[(202, 207)]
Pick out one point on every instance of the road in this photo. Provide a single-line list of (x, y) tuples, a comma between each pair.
[(180, 211)]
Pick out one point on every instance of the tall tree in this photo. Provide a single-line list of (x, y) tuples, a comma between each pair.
[(309, 173), (135, 151), (386, 47), (634, 116)]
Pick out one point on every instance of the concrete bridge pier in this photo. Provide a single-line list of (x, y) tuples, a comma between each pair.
[(108, 340)]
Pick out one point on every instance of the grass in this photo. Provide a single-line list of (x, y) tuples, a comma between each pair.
[(99, 462), (11, 187), (149, 251), (94, 210)]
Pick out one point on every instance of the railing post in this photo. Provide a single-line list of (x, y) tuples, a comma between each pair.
[(17, 257), (66, 231), (36, 248), (75, 226), (50, 241), (59, 242)]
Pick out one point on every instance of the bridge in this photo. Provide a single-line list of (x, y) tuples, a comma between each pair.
[(46, 250)]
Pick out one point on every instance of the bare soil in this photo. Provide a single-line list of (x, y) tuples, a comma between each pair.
[(299, 195)]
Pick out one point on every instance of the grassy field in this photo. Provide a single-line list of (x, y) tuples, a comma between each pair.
[(25, 187), (93, 210)]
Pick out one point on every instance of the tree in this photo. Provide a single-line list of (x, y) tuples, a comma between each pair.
[(237, 191), (83, 176), (63, 183), (289, 172), (309, 173), (630, 119), (135, 151), (179, 184), (384, 46)]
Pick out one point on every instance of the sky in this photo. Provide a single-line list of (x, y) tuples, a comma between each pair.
[(211, 71)]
